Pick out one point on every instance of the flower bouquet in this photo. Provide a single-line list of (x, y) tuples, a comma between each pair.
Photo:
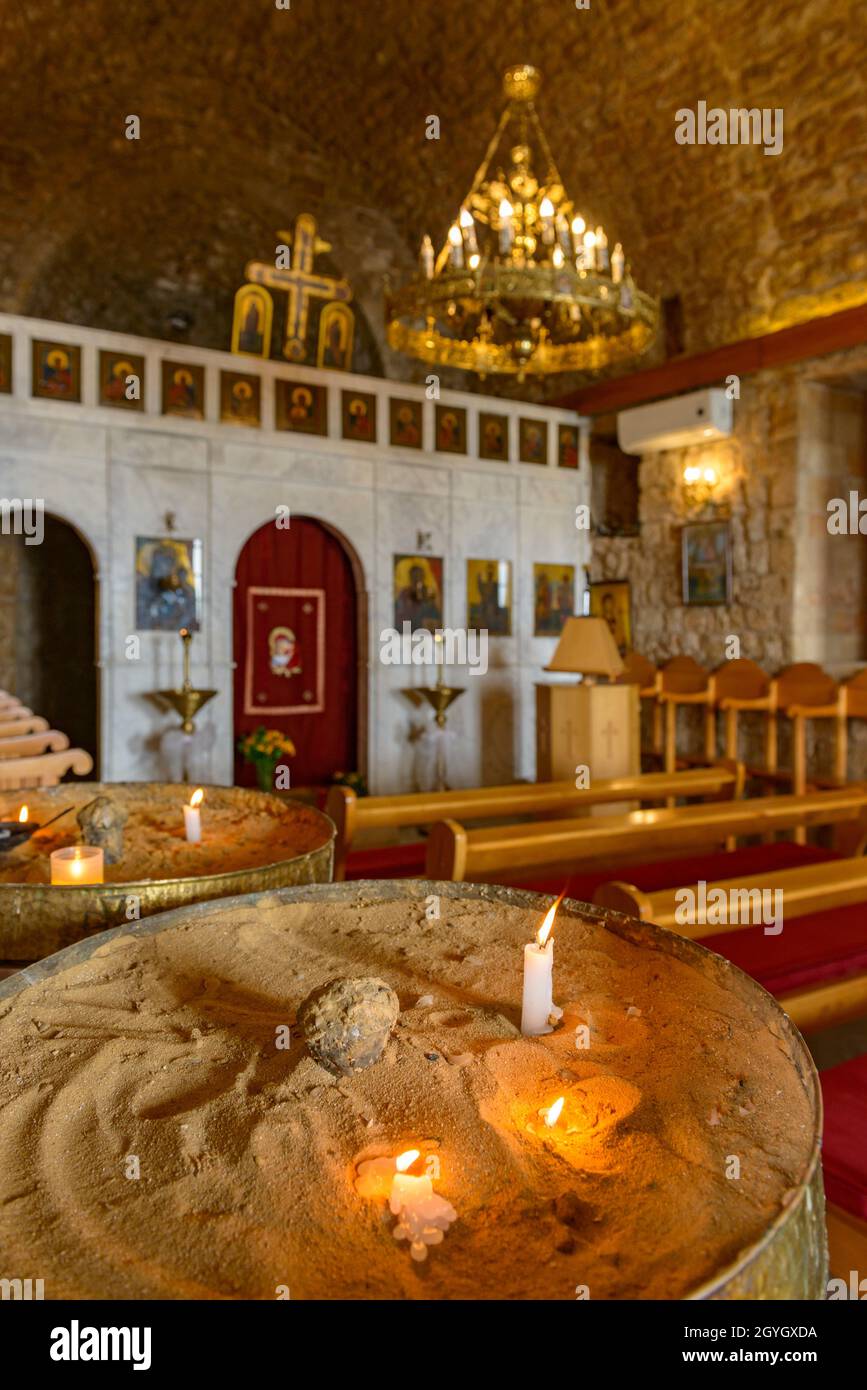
[(264, 748)]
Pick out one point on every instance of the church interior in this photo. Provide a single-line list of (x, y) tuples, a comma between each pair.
[(433, 733)]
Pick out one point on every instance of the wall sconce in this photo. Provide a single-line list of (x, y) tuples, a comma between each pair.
[(700, 482)]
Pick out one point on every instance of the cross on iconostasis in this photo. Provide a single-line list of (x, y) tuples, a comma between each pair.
[(300, 281)]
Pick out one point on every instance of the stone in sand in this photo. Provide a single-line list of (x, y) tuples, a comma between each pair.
[(347, 1022), (102, 823)]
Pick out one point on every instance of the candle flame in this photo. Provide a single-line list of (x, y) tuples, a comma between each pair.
[(406, 1159), (76, 867), (197, 797), (545, 930), (23, 815), (552, 1115)]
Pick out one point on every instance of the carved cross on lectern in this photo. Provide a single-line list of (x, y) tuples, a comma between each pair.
[(300, 282)]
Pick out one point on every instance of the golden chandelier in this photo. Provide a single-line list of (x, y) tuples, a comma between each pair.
[(522, 284)]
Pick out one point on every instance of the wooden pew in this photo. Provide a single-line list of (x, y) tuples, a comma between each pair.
[(352, 813), (809, 889), (27, 724), (30, 745), (16, 774), (482, 855)]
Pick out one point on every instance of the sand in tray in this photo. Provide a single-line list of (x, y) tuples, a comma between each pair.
[(164, 1048), (235, 835)]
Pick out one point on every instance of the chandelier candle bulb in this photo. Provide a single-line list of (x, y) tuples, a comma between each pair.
[(557, 258), (590, 250), (546, 212), (468, 227), (427, 257), (76, 865), (601, 249), (506, 228), (537, 1002), (456, 242), (617, 263), (193, 817)]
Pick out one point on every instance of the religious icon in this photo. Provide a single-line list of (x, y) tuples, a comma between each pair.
[(301, 407), (56, 371), (359, 416), (489, 596), (285, 657), (567, 446), (5, 363), (239, 398), (251, 321), (183, 390), (301, 282), (451, 429), (406, 423), (494, 437), (707, 563), (121, 380), (553, 598), (610, 600), (336, 330), (168, 583), (418, 591), (532, 441)]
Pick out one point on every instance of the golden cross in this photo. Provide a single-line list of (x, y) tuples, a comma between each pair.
[(300, 282)]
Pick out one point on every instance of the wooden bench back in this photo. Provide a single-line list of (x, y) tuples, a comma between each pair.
[(490, 853), (351, 813), (30, 745), (16, 774), (808, 888)]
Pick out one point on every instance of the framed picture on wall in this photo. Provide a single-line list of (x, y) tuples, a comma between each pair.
[(168, 583), (121, 380), (553, 598), (300, 407), (418, 591), (532, 441), (405, 423), (611, 600), (489, 596), (359, 416), (706, 560), (56, 370), (493, 436), (239, 398), (184, 390)]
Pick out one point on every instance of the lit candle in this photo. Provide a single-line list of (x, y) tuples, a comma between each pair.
[(590, 250), (427, 257), (557, 257), (456, 243), (552, 1114), (537, 1003), (193, 817), (406, 1189), (506, 230), (578, 225), (546, 212), (23, 816), (617, 262), (77, 864), (468, 227)]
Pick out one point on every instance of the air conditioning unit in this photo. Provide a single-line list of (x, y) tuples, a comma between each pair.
[(698, 418)]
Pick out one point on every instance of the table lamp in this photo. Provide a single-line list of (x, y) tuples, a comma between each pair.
[(587, 648)]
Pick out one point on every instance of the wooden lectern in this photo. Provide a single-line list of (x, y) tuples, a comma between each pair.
[(589, 725)]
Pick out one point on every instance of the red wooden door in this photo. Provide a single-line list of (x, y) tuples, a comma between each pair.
[(296, 648)]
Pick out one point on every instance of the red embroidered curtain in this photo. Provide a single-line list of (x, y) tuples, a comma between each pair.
[(295, 648)]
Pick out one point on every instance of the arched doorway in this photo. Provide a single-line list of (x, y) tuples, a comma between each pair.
[(48, 626), (299, 644)]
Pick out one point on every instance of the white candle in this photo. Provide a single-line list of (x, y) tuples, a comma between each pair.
[(456, 242), (506, 230), (427, 257), (77, 864), (537, 1003), (546, 213), (193, 817), (423, 1217)]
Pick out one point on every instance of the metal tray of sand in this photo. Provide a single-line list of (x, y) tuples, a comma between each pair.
[(249, 841), (327, 1089)]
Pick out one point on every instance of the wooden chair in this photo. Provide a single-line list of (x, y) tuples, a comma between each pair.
[(850, 703), (684, 682), (641, 672), (742, 685), (482, 855), (30, 745), (16, 774), (352, 814), (28, 724)]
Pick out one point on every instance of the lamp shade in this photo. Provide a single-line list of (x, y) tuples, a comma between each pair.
[(587, 647)]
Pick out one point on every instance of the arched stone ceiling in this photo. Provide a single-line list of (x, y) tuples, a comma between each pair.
[(250, 114)]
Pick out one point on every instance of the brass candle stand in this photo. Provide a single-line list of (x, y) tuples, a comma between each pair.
[(189, 699), (440, 697)]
